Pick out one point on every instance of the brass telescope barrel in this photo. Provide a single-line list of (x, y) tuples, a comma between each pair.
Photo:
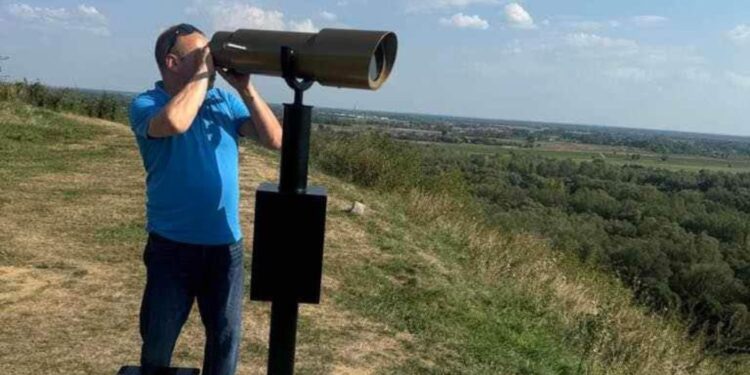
[(332, 57)]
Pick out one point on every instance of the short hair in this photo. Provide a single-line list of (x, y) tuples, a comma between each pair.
[(168, 39)]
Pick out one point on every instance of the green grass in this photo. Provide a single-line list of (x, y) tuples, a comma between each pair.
[(461, 328), (412, 287), (34, 142), (132, 232), (460, 324)]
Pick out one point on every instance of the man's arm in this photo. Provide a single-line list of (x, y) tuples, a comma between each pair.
[(177, 116), (263, 124)]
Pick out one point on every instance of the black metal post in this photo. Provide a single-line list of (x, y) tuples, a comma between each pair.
[(283, 339), (295, 150)]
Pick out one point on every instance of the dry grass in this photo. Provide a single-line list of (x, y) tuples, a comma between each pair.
[(72, 275)]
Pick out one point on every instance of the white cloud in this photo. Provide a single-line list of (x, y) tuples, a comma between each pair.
[(305, 26), (243, 16), (629, 73), (328, 16), (462, 3), (92, 13), (740, 34), (238, 15), (587, 26), (28, 13), (463, 21), (698, 75), (739, 80), (649, 20), (610, 57), (513, 47), (585, 40), (425, 5), (84, 18), (601, 60), (518, 17)]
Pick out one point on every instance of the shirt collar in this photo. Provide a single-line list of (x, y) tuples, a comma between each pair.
[(159, 87)]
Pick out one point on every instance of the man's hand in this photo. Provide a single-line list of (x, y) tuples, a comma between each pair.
[(177, 116), (240, 82), (204, 64)]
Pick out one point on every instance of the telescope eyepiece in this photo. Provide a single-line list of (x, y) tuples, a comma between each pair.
[(376, 64)]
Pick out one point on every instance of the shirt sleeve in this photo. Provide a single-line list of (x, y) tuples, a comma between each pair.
[(238, 110), (142, 110)]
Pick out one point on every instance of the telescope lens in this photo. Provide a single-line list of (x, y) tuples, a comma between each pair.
[(376, 63)]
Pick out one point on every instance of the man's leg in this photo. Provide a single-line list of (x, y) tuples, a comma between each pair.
[(220, 304), (167, 300)]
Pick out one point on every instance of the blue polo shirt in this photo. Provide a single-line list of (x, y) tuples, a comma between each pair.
[(192, 182)]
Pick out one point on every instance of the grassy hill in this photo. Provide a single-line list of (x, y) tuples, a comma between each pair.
[(415, 286)]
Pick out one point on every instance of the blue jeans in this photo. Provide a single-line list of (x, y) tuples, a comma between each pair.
[(178, 273)]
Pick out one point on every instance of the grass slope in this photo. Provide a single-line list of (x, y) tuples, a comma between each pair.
[(412, 287)]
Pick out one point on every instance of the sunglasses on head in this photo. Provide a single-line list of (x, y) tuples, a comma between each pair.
[(181, 29)]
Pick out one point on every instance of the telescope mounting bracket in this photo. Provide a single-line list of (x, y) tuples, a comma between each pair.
[(289, 73)]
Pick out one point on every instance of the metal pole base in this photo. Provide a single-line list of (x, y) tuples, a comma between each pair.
[(135, 370), (283, 337)]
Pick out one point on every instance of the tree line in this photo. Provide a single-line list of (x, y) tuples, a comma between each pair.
[(678, 238), (104, 105)]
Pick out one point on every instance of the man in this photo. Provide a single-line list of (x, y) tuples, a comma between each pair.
[(187, 132)]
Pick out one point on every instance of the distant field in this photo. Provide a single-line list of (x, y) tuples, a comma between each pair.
[(620, 155), (578, 152)]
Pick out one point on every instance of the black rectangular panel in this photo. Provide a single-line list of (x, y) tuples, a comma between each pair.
[(288, 245)]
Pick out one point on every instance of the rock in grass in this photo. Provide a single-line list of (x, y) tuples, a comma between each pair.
[(358, 208)]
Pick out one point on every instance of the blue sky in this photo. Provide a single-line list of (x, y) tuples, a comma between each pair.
[(680, 65)]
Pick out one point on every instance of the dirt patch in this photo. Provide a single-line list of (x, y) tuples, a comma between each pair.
[(18, 283), (96, 121)]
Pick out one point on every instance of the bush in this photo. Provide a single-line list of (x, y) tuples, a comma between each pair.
[(374, 160), (102, 105)]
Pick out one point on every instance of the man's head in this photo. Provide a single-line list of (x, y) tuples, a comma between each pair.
[(176, 52)]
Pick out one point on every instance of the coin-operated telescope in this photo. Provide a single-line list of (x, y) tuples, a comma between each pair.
[(333, 57), (290, 217)]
